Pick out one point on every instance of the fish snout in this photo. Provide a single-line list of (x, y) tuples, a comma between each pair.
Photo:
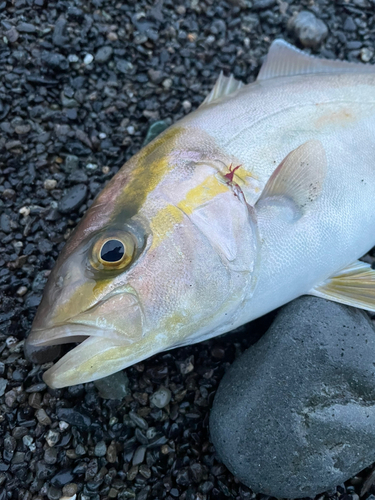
[(113, 323)]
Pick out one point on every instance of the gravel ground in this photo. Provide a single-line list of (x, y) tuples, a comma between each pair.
[(80, 85)]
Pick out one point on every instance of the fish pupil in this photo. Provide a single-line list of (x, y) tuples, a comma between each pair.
[(112, 251)]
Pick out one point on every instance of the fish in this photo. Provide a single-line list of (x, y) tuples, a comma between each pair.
[(261, 195)]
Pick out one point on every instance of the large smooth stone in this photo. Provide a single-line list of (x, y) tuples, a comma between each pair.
[(294, 416)]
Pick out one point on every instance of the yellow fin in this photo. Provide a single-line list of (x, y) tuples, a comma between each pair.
[(353, 286)]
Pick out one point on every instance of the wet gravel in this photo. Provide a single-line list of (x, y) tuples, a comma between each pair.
[(81, 84)]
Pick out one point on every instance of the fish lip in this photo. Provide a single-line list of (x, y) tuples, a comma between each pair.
[(70, 332), (66, 331)]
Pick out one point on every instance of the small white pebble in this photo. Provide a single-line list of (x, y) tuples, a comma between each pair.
[(111, 36), (92, 166), (88, 59), (63, 425), (167, 84), (69, 498), (106, 170), (366, 54), (130, 130), (186, 105), (25, 211), (52, 438), (17, 244), (11, 341), (50, 184), (102, 135), (73, 58), (181, 10), (22, 290)]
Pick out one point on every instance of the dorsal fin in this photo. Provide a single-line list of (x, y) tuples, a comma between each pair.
[(224, 86), (285, 60)]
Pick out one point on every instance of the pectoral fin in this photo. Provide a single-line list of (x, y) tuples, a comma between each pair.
[(299, 177), (354, 286)]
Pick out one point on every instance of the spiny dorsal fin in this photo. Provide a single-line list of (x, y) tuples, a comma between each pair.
[(285, 60), (224, 86), (299, 177), (354, 286)]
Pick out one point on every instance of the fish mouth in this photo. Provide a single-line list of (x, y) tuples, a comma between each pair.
[(100, 352), (105, 334), (71, 332)]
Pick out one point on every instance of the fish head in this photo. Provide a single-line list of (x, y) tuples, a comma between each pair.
[(145, 270)]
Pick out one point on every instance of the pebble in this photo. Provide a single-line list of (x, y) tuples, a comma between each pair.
[(161, 398), (26, 28), (88, 59), (50, 456), (294, 416), (310, 30), (42, 417), (3, 386), (139, 455), (64, 476), (71, 163), (50, 184), (12, 35), (366, 54), (100, 449), (154, 130), (74, 416), (73, 198), (103, 54), (70, 489), (124, 66), (52, 437), (115, 386)]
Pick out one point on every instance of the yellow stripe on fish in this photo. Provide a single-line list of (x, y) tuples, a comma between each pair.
[(150, 165)]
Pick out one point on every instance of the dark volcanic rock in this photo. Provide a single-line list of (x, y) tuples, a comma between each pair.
[(295, 415), (73, 198)]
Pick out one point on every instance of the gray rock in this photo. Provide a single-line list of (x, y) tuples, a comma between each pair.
[(310, 30), (161, 397), (100, 449), (73, 198), (103, 54), (263, 4), (26, 28), (71, 163), (3, 385), (115, 386), (295, 414)]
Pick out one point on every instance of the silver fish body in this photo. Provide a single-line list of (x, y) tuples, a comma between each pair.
[(263, 194)]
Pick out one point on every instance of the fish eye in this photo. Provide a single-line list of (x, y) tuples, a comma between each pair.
[(113, 253)]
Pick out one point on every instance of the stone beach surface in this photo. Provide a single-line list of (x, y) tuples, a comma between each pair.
[(81, 85)]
